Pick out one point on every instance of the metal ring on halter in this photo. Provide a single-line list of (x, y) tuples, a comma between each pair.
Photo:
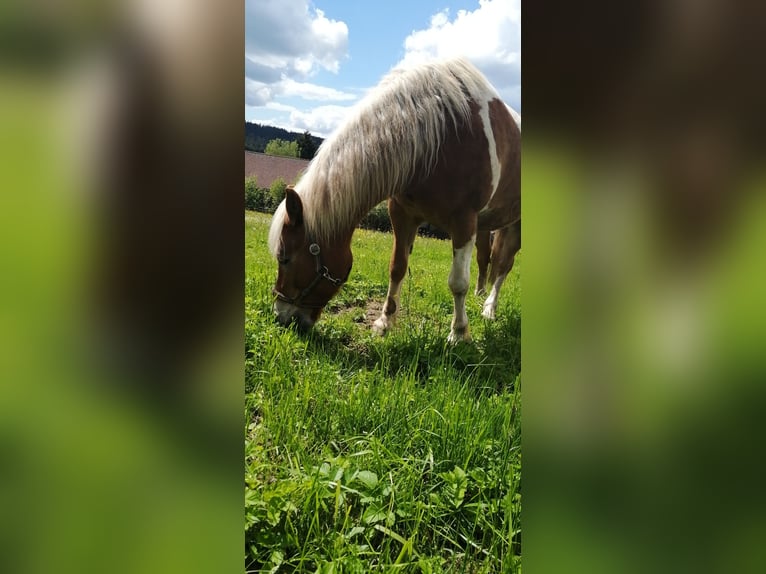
[(322, 273)]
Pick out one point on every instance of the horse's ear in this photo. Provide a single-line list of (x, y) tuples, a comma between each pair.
[(294, 207)]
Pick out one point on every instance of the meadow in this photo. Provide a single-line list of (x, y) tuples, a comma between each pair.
[(369, 454)]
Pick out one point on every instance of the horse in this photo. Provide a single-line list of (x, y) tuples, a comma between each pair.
[(439, 144)]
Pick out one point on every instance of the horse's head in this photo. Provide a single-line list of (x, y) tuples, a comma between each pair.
[(310, 273)]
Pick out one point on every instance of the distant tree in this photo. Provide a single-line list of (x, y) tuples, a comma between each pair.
[(282, 147), (306, 146)]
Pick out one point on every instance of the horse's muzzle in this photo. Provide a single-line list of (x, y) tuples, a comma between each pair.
[(288, 314)]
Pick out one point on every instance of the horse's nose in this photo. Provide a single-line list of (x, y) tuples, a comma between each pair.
[(283, 314), (287, 314), (283, 320)]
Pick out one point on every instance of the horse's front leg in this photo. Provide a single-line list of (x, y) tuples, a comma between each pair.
[(405, 229), (483, 243), (459, 279)]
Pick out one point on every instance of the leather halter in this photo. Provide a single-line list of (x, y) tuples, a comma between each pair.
[(321, 273)]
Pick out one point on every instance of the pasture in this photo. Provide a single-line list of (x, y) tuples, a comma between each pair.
[(369, 454)]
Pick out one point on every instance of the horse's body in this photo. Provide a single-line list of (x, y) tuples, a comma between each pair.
[(438, 142)]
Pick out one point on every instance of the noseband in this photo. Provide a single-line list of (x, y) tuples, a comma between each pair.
[(321, 273)]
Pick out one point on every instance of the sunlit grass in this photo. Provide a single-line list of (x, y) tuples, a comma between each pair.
[(369, 454)]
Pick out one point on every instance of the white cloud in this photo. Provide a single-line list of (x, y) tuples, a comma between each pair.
[(257, 93), (289, 41), (489, 36), (321, 120), (333, 40), (286, 42), (279, 107), (309, 91)]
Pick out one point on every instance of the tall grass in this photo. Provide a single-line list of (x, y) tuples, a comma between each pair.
[(366, 454)]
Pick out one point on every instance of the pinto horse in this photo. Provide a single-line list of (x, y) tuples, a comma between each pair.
[(437, 142)]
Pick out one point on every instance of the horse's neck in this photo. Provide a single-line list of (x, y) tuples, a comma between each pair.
[(350, 216), (339, 243)]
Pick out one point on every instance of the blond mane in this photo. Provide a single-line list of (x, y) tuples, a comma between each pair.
[(394, 131)]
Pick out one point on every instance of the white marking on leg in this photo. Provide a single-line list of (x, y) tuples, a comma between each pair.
[(459, 279), (493, 159), (490, 305), (386, 321)]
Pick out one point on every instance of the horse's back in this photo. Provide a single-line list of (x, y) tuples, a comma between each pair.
[(478, 172)]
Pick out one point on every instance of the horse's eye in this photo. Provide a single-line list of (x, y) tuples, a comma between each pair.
[(283, 260)]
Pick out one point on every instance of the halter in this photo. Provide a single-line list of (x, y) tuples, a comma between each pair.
[(322, 273)]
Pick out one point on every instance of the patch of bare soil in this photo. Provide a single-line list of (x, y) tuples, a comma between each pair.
[(374, 309), (371, 312)]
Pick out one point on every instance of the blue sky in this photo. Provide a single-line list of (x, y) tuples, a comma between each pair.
[(308, 62)]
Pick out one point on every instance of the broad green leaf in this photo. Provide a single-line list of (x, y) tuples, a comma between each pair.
[(367, 478), (354, 531), (373, 514)]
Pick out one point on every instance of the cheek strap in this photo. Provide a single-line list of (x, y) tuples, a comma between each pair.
[(321, 273)]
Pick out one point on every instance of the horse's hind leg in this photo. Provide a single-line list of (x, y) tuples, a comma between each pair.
[(482, 259), (405, 229), (507, 243)]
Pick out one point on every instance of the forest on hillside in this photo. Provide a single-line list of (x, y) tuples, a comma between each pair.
[(257, 136)]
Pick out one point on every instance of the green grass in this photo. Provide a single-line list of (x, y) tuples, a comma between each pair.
[(368, 454)]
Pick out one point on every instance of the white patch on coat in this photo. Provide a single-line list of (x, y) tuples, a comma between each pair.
[(493, 159)]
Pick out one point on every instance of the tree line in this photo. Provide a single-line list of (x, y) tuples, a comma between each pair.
[(278, 141)]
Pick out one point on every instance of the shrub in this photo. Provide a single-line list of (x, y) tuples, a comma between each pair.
[(377, 219), (251, 193), (256, 198), (277, 192), (429, 230)]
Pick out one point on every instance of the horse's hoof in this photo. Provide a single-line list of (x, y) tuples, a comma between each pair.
[(380, 327), (459, 336), (488, 313)]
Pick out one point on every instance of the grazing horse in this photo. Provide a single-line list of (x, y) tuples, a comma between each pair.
[(440, 145)]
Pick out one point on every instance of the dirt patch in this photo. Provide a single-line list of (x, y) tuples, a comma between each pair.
[(374, 309), (362, 316)]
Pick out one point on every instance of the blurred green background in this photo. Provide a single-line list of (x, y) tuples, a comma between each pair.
[(115, 456)]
